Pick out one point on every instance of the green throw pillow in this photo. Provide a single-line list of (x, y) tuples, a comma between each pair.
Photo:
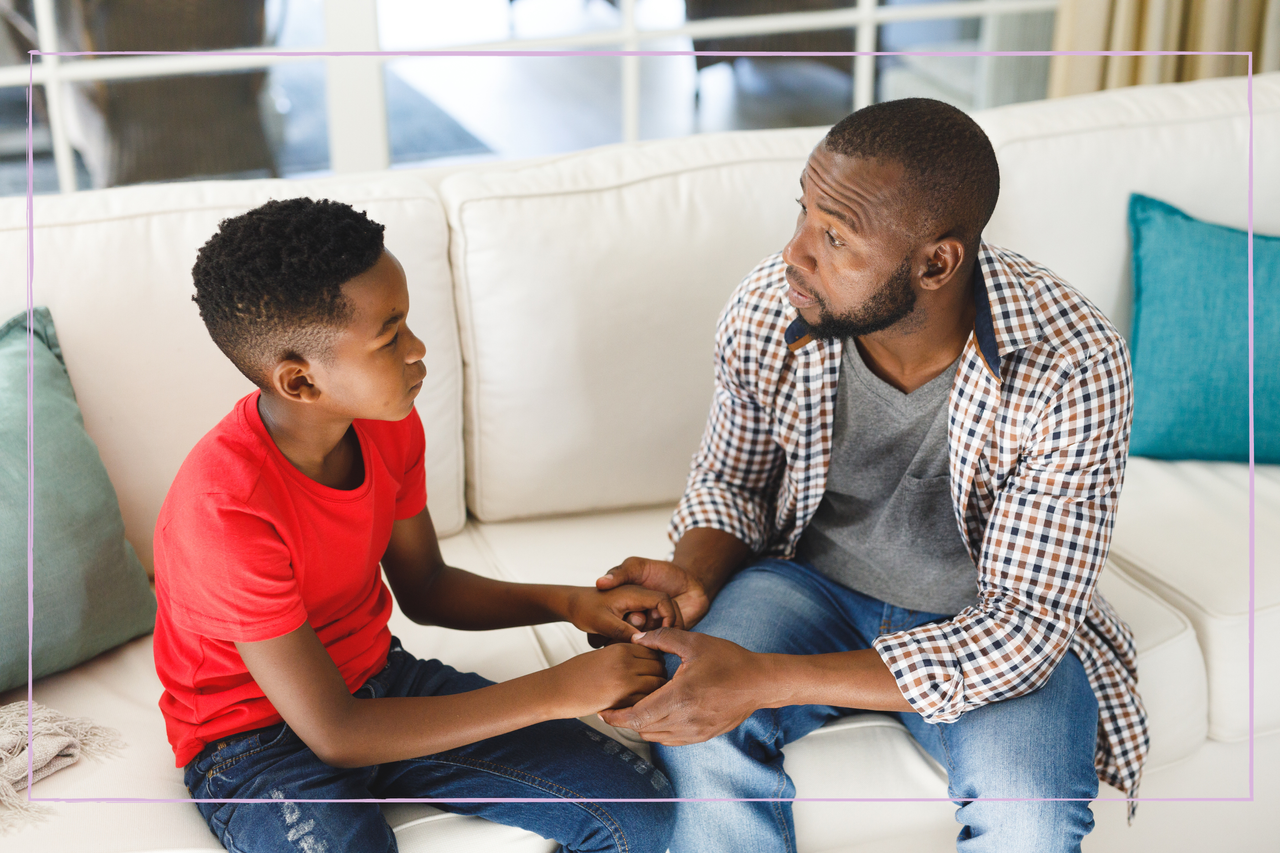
[(91, 593), (1190, 338)]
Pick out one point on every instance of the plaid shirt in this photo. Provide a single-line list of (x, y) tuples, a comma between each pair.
[(1038, 436)]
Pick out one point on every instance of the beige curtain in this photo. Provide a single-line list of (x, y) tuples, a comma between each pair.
[(1236, 25)]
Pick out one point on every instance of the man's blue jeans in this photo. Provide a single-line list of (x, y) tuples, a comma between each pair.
[(561, 758), (1040, 745)]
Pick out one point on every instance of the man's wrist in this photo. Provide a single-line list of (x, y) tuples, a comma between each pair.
[(784, 678), (853, 679), (709, 557)]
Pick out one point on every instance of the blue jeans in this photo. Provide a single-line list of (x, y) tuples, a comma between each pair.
[(560, 758), (1038, 745)]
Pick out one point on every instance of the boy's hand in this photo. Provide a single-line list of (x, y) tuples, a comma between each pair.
[(612, 616), (617, 676)]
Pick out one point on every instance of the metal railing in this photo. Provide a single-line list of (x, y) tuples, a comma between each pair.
[(357, 118)]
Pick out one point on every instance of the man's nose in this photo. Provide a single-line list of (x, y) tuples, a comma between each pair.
[(797, 252)]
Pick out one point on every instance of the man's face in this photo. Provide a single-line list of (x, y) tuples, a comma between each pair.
[(849, 263), (374, 369)]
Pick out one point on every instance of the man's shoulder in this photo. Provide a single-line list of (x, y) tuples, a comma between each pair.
[(758, 306), (1039, 307)]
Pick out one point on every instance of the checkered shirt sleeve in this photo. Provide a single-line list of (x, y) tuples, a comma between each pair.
[(735, 473)]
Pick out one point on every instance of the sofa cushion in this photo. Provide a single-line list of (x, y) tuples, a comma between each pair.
[(114, 266), (1068, 165), (1190, 340), (588, 289), (1183, 531), (90, 592)]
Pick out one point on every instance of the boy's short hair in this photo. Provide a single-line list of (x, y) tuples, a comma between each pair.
[(951, 180), (269, 282)]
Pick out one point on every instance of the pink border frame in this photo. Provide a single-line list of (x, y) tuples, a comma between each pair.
[(31, 434)]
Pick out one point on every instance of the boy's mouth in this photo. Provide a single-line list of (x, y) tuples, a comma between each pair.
[(418, 385)]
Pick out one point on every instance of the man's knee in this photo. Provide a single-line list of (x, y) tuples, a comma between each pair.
[(1026, 826)]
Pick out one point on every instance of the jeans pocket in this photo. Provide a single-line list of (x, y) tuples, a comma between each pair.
[(229, 752)]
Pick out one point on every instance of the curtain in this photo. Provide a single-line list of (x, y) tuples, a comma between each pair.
[(1235, 25)]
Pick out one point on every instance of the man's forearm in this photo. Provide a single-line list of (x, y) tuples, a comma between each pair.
[(711, 557), (857, 679)]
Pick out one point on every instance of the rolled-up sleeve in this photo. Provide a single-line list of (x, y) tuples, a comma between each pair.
[(735, 473), (1045, 542)]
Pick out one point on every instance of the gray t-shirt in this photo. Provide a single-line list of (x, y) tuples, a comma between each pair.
[(885, 526)]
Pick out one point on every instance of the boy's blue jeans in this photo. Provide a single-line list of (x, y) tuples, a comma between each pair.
[(1040, 745), (561, 758)]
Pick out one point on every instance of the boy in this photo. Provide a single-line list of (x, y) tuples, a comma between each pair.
[(281, 679)]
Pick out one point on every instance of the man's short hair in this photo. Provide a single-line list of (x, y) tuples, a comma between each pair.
[(951, 179), (269, 282)]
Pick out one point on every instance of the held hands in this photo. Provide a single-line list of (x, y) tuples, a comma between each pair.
[(665, 577), (616, 676), (614, 615), (718, 685)]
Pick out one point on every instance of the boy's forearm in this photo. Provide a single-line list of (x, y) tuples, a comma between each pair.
[(366, 732), (468, 602)]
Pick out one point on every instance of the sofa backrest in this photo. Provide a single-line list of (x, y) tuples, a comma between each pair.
[(588, 289), (1067, 167), (114, 267)]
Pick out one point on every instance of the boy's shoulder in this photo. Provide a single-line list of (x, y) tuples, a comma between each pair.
[(227, 461)]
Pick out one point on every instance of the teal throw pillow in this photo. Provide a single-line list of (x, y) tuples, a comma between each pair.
[(90, 591), (1190, 338)]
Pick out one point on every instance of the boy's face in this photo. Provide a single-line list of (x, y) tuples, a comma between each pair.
[(375, 368)]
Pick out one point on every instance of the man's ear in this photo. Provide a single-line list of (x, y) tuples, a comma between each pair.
[(291, 379), (944, 258)]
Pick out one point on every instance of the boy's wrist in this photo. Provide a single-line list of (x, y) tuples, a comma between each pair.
[(553, 600)]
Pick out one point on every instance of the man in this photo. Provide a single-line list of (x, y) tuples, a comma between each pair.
[(902, 502)]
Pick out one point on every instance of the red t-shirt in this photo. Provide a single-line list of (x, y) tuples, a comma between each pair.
[(249, 548)]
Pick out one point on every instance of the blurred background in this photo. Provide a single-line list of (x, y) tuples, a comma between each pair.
[(234, 111)]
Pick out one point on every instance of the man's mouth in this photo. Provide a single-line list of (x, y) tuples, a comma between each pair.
[(797, 295)]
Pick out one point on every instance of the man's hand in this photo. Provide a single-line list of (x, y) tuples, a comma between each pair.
[(614, 615), (718, 685), (663, 576)]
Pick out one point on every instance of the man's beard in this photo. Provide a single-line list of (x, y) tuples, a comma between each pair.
[(891, 302)]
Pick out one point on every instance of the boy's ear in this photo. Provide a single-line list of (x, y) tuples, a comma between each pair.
[(291, 379)]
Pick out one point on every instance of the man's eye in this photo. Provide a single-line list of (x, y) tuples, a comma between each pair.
[(392, 342), (833, 240), (803, 209)]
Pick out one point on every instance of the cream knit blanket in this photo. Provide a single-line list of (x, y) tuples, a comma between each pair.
[(57, 741)]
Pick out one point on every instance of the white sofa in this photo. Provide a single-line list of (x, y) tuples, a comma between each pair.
[(568, 306)]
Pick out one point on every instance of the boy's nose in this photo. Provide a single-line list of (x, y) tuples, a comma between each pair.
[(417, 348)]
